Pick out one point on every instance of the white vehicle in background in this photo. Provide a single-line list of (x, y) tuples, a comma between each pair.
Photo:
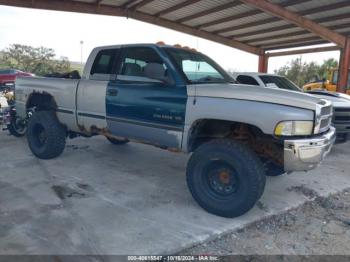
[(341, 102)]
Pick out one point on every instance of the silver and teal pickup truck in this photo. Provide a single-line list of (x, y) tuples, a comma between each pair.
[(181, 100)]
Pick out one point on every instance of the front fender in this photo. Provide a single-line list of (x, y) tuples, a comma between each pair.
[(264, 116)]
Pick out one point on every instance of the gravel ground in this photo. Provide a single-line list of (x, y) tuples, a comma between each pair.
[(319, 227)]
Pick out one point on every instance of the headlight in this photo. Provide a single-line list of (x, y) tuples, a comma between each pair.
[(294, 128)]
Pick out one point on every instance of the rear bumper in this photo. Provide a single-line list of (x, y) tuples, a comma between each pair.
[(306, 154)]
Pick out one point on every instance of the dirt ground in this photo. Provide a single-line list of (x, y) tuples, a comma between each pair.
[(319, 227)]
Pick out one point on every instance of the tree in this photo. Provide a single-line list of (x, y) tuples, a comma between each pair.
[(302, 73), (37, 60), (296, 71), (310, 71), (327, 64)]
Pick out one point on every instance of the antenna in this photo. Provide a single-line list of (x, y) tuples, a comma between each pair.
[(197, 69)]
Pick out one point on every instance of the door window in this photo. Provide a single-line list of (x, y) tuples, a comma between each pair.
[(104, 63), (143, 64)]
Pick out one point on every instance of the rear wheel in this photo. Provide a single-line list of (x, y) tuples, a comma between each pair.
[(226, 178), (116, 141), (46, 136), (17, 127)]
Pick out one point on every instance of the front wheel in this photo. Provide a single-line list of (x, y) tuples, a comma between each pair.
[(225, 177), (46, 136)]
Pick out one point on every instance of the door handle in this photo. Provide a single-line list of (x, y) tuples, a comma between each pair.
[(112, 92)]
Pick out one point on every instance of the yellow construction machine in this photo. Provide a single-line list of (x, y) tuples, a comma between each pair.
[(329, 83)]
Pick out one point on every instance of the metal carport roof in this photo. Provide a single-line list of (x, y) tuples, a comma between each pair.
[(255, 26)]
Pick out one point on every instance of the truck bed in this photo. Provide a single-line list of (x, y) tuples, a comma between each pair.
[(63, 91)]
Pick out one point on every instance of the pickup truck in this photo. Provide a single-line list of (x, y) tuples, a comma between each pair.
[(179, 99), (8, 77), (340, 102)]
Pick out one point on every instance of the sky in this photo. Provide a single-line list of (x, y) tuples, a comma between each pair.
[(63, 32)]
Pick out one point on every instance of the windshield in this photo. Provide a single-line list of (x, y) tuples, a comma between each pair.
[(280, 82), (198, 68)]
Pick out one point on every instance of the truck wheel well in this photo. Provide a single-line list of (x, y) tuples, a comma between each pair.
[(208, 129), (266, 146), (41, 102)]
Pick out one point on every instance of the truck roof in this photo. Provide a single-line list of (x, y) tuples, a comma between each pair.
[(142, 44), (159, 45)]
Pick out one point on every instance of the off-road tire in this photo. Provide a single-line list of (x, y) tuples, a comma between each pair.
[(116, 141), (16, 131), (248, 173), (46, 136)]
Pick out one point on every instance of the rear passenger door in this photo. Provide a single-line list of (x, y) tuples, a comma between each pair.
[(91, 94), (144, 103)]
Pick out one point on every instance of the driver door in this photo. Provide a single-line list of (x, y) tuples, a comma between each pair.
[(144, 103)]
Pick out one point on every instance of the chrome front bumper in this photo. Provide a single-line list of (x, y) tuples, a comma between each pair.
[(306, 154)]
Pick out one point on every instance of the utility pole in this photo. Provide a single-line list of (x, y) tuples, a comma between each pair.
[(301, 70), (81, 52)]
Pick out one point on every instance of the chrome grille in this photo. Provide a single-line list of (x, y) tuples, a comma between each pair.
[(326, 110), (323, 116), (325, 123)]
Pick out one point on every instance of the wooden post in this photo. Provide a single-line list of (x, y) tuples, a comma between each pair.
[(344, 65), (263, 63)]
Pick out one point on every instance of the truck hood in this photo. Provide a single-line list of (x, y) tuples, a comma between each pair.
[(255, 93), (337, 99)]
